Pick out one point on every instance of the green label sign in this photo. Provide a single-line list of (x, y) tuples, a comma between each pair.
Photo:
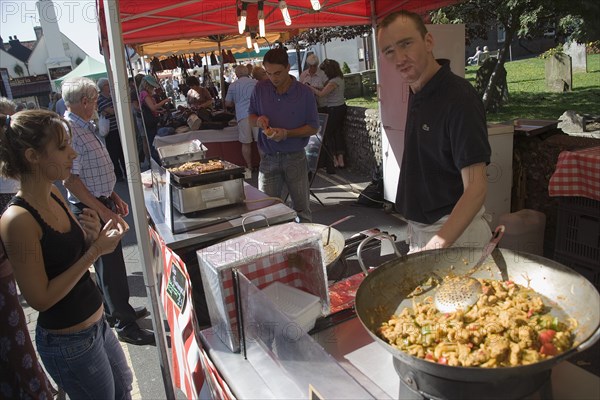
[(176, 286)]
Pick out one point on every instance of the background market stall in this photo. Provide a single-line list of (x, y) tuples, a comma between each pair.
[(89, 67)]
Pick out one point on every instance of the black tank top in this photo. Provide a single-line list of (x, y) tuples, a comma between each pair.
[(61, 251)]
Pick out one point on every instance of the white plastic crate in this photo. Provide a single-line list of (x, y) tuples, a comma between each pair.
[(301, 307)]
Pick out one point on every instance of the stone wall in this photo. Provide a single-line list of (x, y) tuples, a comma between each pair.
[(363, 139)]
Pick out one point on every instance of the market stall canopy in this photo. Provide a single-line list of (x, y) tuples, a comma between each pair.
[(144, 21), (235, 43), (89, 68)]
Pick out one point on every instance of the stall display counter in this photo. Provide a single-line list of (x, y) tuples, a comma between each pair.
[(183, 300), (231, 218), (369, 365)]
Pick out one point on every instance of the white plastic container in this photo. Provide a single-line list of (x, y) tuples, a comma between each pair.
[(194, 122), (524, 231), (301, 307)]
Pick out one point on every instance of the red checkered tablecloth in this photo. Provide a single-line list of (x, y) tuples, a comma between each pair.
[(577, 174)]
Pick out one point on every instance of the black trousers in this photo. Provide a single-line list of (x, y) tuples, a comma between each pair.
[(334, 135), (115, 151), (111, 277)]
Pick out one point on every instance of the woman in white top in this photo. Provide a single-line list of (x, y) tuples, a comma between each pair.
[(333, 92)]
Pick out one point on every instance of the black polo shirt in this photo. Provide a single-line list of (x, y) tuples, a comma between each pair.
[(446, 131)]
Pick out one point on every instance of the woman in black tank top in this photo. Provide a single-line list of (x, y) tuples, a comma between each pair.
[(51, 253)]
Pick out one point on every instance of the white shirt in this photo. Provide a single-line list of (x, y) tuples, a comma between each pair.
[(239, 93), (318, 80)]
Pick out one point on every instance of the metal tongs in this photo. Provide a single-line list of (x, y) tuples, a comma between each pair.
[(339, 221)]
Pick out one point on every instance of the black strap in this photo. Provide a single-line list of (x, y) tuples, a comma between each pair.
[(21, 202)]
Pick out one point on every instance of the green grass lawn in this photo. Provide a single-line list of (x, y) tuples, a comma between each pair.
[(528, 97)]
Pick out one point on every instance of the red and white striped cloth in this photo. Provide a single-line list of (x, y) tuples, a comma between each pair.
[(577, 174), (303, 274), (186, 349)]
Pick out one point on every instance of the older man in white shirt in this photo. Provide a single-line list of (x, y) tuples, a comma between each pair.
[(315, 77)]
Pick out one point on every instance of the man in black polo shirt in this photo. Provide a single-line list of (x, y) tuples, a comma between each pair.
[(443, 184)]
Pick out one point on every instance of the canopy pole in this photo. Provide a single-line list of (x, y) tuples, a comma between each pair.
[(122, 103), (374, 43), (222, 69)]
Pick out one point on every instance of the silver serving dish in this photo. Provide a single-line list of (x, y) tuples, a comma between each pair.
[(177, 154)]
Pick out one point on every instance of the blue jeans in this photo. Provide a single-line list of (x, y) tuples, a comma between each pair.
[(89, 364), (291, 170)]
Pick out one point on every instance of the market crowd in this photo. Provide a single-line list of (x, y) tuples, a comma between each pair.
[(49, 242)]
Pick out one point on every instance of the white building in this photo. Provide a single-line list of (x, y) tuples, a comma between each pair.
[(28, 67)]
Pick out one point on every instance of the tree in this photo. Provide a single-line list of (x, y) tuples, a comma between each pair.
[(520, 18), (18, 70), (346, 68), (314, 36), (325, 35)]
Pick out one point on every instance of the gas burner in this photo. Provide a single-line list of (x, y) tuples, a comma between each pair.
[(419, 385)]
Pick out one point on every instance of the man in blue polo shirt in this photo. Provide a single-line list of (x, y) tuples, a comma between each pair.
[(286, 113), (443, 183)]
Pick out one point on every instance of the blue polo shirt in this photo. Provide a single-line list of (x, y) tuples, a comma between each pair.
[(446, 131), (292, 109)]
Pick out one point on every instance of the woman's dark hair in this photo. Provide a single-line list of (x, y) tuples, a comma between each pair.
[(331, 68), (192, 81), (28, 129), (277, 56)]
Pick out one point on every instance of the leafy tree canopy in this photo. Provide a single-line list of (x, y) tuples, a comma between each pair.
[(325, 35), (573, 20)]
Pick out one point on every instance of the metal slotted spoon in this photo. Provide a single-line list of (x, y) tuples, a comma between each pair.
[(463, 291)]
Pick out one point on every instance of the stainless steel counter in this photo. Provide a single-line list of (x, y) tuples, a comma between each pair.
[(369, 364), (228, 219)]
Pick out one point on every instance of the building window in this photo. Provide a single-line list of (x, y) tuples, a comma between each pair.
[(501, 34)]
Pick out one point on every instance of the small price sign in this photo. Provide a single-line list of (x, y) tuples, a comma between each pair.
[(176, 286)]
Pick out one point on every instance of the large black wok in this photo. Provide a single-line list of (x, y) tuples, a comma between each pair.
[(384, 293)]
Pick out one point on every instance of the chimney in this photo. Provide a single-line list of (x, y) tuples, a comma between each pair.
[(38, 32), (49, 24)]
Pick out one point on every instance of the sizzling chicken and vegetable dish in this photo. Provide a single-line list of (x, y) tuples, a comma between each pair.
[(508, 326)]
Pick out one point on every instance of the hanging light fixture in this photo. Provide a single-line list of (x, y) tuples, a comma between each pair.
[(248, 40), (316, 4), (242, 14), (256, 48), (285, 13), (261, 20)]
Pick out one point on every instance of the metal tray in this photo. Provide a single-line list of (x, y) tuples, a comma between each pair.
[(231, 171), (180, 153)]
